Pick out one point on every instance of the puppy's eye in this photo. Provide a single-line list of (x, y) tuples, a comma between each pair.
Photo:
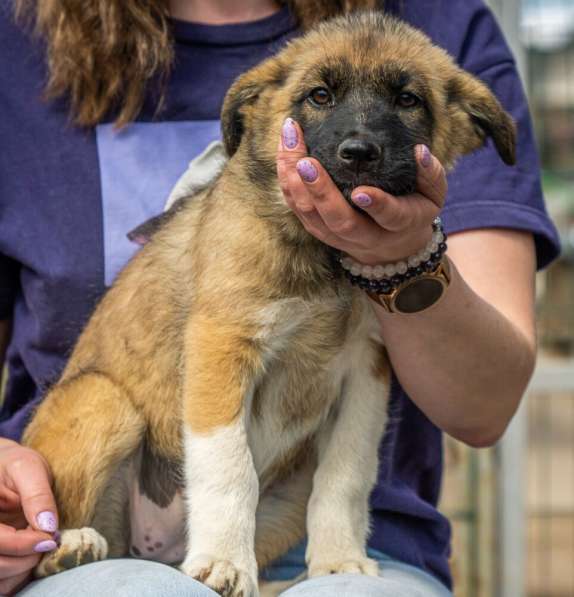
[(320, 97), (407, 100)]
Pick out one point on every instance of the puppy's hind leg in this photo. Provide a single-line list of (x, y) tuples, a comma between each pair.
[(85, 428), (280, 523), (281, 515)]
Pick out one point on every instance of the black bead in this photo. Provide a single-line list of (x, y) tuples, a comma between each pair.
[(397, 279), (364, 283), (419, 270), (385, 286), (430, 266), (355, 280), (442, 247), (410, 273), (436, 255)]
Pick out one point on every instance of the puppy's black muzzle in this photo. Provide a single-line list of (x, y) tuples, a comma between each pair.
[(358, 152), (377, 151)]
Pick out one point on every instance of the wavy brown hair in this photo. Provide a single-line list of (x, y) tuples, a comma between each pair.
[(102, 55)]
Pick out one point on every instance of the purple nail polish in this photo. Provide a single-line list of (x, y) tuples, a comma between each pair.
[(289, 134), (57, 537), (47, 521), (44, 546), (307, 171), (362, 200), (425, 156)]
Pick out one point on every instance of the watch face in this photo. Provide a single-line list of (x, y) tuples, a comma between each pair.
[(419, 295)]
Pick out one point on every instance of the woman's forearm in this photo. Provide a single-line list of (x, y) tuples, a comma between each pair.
[(463, 362)]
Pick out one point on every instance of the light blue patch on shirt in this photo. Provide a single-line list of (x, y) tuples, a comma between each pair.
[(138, 168)]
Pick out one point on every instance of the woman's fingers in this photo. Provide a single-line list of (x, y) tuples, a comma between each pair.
[(11, 585), (413, 211), (25, 542), (21, 551), (396, 214), (291, 149), (408, 212), (27, 474), (431, 176), (301, 198), (14, 566), (339, 216), (308, 189)]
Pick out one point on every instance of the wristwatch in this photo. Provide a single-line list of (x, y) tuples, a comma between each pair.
[(416, 294)]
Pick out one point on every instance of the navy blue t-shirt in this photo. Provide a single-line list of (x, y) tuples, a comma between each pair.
[(69, 196)]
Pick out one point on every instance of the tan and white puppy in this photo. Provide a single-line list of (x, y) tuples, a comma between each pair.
[(231, 362)]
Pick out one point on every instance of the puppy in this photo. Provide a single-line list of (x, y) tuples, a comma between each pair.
[(231, 363)]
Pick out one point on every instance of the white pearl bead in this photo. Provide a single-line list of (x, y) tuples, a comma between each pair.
[(356, 269), (390, 271), (438, 237), (433, 247), (367, 272), (402, 267), (379, 272), (347, 263), (426, 255), (414, 261)]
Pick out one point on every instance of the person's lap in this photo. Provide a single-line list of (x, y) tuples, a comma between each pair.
[(132, 577)]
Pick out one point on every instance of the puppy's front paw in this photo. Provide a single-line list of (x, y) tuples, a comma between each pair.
[(221, 575), (77, 547), (353, 566)]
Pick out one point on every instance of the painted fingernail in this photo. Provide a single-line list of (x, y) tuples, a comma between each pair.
[(47, 545), (307, 171), (426, 158), (57, 536), (289, 134), (47, 521), (362, 199)]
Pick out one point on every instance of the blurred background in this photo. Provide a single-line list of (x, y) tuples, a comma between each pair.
[(512, 507)]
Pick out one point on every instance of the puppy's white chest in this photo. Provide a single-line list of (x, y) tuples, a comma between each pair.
[(312, 348)]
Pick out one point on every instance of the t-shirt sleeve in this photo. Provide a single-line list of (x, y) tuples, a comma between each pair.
[(9, 270), (483, 191)]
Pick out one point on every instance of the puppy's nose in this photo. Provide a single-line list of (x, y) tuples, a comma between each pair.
[(359, 150)]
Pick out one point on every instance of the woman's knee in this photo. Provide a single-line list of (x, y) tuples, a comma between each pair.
[(352, 585), (120, 578)]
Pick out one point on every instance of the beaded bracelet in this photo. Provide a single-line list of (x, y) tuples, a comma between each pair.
[(383, 278)]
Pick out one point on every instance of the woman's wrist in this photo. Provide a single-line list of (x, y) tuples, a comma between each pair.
[(385, 275)]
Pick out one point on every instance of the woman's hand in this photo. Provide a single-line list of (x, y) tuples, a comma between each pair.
[(389, 229), (28, 517)]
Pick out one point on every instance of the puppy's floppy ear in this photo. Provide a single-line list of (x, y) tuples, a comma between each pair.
[(242, 96), (480, 116)]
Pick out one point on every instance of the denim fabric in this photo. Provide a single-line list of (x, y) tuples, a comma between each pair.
[(139, 578)]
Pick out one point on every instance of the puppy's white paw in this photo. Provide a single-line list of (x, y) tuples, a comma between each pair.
[(221, 575), (365, 566), (77, 547)]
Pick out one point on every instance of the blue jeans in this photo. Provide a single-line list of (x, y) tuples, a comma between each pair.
[(140, 578)]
